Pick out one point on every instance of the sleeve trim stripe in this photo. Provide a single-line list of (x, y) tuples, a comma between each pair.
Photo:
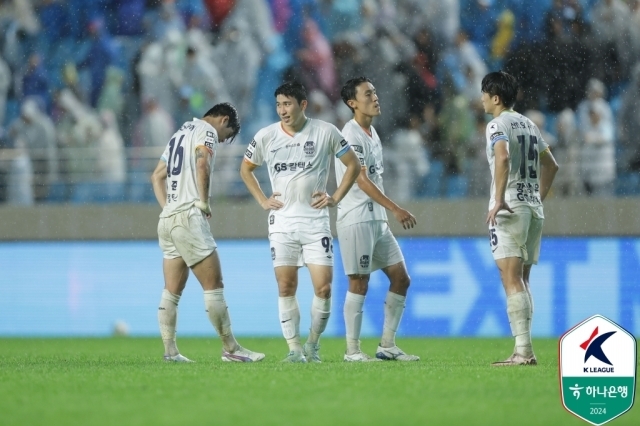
[(499, 138), (343, 151)]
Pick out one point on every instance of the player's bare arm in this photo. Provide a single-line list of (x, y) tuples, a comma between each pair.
[(249, 179), (203, 175), (159, 183), (501, 177), (549, 167), (371, 189), (322, 199)]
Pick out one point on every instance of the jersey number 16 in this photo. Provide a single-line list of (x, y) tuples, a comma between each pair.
[(175, 159)]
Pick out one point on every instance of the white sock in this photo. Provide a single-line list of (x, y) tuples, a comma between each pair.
[(393, 310), (218, 314), (167, 320), (519, 312), (353, 306), (320, 312), (290, 321)]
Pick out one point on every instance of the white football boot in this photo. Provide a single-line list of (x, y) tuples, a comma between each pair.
[(242, 355), (394, 354)]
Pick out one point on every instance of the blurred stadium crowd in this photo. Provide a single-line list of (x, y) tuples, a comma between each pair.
[(92, 90)]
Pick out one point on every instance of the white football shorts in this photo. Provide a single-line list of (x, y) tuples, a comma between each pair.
[(368, 246), (300, 248), (516, 234), (186, 234)]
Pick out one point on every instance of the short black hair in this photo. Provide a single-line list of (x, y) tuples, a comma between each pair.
[(348, 91), (226, 109), (504, 85), (292, 89)]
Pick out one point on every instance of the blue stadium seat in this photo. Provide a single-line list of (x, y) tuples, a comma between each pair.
[(628, 184), (57, 192), (457, 186), (434, 180)]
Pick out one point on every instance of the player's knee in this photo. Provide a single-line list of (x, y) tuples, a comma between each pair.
[(359, 284), (402, 282), (323, 291)]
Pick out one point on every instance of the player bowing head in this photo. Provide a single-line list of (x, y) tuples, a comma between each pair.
[(224, 118)]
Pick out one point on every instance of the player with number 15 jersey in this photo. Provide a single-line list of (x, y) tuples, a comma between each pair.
[(525, 144)]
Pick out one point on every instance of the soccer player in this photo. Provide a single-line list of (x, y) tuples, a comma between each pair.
[(181, 183), (522, 170), (297, 151), (366, 243)]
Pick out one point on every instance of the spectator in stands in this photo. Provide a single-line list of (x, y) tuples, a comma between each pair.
[(155, 127), (478, 19), (316, 61), (238, 51), (598, 162), (611, 20), (111, 97), (478, 175), (102, 53), (20, 176), (78, 131), (165, 20), (568, 149), (595, 98), (206, 80), (53, 16), (129, 17), (111, 164), (37, 132), (5, 84), (629, 125), (409, 160), (34, 81)]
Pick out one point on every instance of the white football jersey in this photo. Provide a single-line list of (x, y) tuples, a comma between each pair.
[(357, 206), (180, 156), (524, 143), (298, 167)]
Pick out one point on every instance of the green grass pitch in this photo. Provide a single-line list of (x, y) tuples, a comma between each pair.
[(123, 381)]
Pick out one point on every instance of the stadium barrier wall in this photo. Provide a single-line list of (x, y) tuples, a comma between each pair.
[(237, 220), (83, 288)]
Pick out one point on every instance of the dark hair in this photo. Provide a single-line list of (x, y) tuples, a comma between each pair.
[(226, 109), (504, 85), (292, 89), (348, 91)]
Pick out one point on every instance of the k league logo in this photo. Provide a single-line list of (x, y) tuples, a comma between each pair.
[(593, 348), (598, 361)]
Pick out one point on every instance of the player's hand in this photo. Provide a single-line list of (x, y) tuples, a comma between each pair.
[(271, 203), (205, 207), (322, 200), (404, 217), (491, 217)]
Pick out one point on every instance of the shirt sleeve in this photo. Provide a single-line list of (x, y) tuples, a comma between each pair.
[(339, 145), (542, 144), (206, 137), (358, 147), (255, 151), (496, 132)]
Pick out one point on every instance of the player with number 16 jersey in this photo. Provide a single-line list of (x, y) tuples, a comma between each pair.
[(180, 156)]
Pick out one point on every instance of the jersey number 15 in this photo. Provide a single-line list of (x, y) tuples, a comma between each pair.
[(531, 154)]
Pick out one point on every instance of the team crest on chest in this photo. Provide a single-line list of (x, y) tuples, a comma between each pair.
[(309, 147)]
